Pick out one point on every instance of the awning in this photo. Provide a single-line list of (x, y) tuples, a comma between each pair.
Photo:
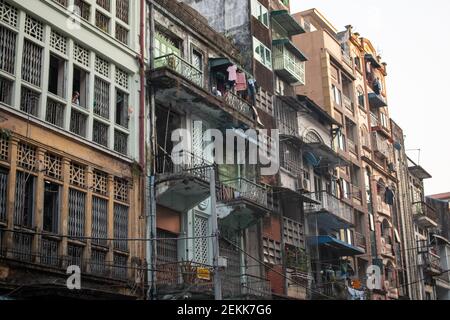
[(287, 22), (218, 62), (342, 248), (369, 57), (291, 47)]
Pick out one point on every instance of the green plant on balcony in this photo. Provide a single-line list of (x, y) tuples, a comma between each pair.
[(296, 258), (5, 134)]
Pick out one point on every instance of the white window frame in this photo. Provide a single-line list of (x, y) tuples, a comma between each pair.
[(261, 13), (264, 59)]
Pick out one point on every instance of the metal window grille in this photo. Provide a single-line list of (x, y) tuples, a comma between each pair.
[(3, 194), (75, 256), (98, 263), (102, 21), (120, 270), (100, 181), (6, 87), (201, 226), (4, 148), (64, 3), (81, 55), (121, 34), (8, 13), (53, 166), (29, 101), (34, 28), (121, 190), (77, 209), (78, 122), (58, 42), (82, 8), (121, 142), (7, 50), (272, 251), (55, 113), (24, 198), (122, 10), (49, 252), (22, 243), (77, 175), (100, 133), (101, 98), (102, 66), (120, 226), (32, 63), (99, 221), (105, 4), (26, 156)]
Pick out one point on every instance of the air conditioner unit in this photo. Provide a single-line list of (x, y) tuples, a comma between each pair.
[(303, 184)]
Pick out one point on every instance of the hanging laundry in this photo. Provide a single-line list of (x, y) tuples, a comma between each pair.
[(252, 90), (241, 81), (232, 73)]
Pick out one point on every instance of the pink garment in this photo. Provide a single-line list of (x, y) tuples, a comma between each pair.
[(241, 81), (232, 76)]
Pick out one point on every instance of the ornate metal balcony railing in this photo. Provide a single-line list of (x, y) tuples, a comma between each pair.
[(239, 104), (248, 190), (184, 163), (331, 204), (180, 66)]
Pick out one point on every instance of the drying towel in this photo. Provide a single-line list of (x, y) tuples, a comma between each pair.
[(241, 82), (232, 76)]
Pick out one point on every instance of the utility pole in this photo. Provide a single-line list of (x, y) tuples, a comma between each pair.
[(215, 229)]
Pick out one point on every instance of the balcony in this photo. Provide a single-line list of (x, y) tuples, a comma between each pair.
[(242, 203), (360, 241), (383, 207), (182, 180), (180, 83), (323, 155), (380, 146), (331, 212), (197, 281), (432, 264), (424, 215), (289, 62), (386, 248), (348, 103), (377, 100)]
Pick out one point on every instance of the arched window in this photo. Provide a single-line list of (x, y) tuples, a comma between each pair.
[(313, 137), (365, 137)]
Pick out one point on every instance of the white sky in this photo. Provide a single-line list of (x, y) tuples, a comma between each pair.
[(413, 37)]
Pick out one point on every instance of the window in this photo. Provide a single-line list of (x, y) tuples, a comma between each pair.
[(78, 122), (7, 50), (80, 87), (32, 63), (166, 45), (384, 120), (361, 99), (57, 76), (120, 142), (345, 189), (102, 21), (6, 87), (122, 108), (100, 133), (3, 189), (122, 10), (51, 207), (121, 34), (260, 12), (197, 60), (29, 101), (337, 95), (99, 221), (101, 98), (24, 204), (341, 141), (77, 208), (262, 53), (120, 227), (82, 8), (201, 227)]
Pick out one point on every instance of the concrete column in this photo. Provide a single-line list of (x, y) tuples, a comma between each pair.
[(11, 194), (64, 218), (88, 218), (39, 203), (110, 255)]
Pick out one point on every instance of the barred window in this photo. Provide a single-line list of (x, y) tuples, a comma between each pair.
[(24, 200), (120, 226), (32, 63), (7, 50), (6, 90), (101, 98), (102, 21), (55, 113), (99, 221), (98, 263), (29, 101), (122, 10), (78, 123), (3, 193), (100, 133), (77, 208)]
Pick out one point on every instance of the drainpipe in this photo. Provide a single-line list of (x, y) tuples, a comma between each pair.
[(142, 155)]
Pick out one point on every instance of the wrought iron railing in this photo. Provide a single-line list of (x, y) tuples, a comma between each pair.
[(284, 61), (239, 104), (248, 190), (331, 204), (180, 66), (184, 163), (423, 209)]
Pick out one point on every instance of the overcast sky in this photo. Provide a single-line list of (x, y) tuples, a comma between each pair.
[(413, 37)]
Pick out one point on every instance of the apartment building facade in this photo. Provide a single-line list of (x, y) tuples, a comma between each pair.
[(69, 89)]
